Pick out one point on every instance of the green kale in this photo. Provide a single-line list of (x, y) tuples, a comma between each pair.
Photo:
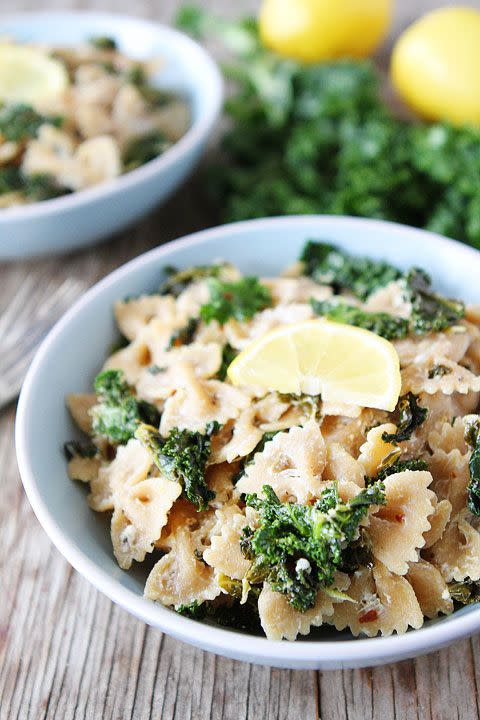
[(248, 459), (328, 265), (438, 371), (142, 149), (194, 610), (103, 42), (10, 179), (358, 554), (472, 438), (74, 448), (228, 356), (430, 312), (118, 412), (410, 416), (42, 187), (465, 592), (182, 457), (396, 467), (388, 326), (178, 280), (184, 335), (297, 548), (21, 122), (240, 300)]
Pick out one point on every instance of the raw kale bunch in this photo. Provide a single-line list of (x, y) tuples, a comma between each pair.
[(182, 457), (297, 548), (118, 412), (319, 139)]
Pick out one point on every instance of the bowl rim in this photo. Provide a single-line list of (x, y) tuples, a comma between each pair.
[(249, 648), (200, 128)]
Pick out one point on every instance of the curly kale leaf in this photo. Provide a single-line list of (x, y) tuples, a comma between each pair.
[(20, 122), (328, 265), (74, 448), (410, 416), (430, 312), (103, 42), (118, 412), (145, 148), (185, 334), (472, 438), (388, 326), (229, 354), (397, 467), (465, 592), (297, 548), (178, 280), (182, 457), (240, 300), (42, 187)]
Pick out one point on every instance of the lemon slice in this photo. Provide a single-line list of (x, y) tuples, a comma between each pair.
[(340, 362), (29, 76)]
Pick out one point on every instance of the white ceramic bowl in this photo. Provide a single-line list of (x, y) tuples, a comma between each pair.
[(84, 217), (73, 353)]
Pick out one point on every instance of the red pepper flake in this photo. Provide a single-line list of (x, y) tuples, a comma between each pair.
[(369, 616), (400, 517)]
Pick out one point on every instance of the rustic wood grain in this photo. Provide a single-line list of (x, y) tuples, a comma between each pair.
[(66, 652)]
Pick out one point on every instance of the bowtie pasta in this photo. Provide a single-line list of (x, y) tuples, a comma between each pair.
[(284, 512), (105, 120)]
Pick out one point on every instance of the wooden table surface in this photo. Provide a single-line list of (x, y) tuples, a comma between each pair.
[(67, 652)]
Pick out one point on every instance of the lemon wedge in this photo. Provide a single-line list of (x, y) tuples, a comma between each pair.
[(29, 76), (340, 362)]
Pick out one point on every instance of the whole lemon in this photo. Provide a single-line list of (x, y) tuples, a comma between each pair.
[(317, 30), (435, 65)]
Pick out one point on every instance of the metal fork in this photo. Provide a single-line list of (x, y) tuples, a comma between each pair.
[(25, 322)]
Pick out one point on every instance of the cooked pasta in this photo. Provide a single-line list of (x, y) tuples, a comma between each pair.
[(282, 508)]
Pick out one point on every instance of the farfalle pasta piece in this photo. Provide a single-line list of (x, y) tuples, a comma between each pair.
[(159, 381), (455, 378), (396, 529), (375, 450), (280, 620), (438, 522), (198, 402), (224, 553), (85, 469), (220, 480), (448, 436), (79, 405), (131, 465), (241, 334), (350, 433), (345, 470), (425, 350), (430, 589), (133, 315), (457, 553), (285, 290), (451, 477), (292, 463), (389, 299), (382, 602)]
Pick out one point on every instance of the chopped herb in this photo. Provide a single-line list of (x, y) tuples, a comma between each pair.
[(228, 356), (21, 122), (472, 438), (430, 312), (184, 335), (410, 416), (103, 42), (118, 412), (328, 265), (240, 300), (142, 149), (74, 448), (438, 371), (297, 548), (182, 457), (388, 326)]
